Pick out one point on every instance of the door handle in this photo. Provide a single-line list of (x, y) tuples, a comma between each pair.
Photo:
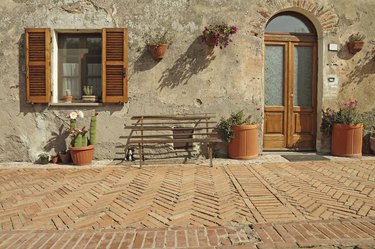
[(291, 95)]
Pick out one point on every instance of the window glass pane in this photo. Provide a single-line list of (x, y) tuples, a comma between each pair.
[(80, 63), (289, 23), (274, 87), (303, 76)]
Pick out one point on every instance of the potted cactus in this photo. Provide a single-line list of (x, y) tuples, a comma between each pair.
[(83, 140), (88, 94), (68, 96)]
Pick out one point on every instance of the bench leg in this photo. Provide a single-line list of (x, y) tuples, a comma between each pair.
[(209, 150), (140, 155)]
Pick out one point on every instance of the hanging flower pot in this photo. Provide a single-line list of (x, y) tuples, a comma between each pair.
[(218, 34), (355, 47), (355, 43), (158, 51)]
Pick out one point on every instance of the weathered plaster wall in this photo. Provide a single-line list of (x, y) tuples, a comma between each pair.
[(192, 78)]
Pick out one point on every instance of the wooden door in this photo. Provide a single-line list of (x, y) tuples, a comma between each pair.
[(290, 92)]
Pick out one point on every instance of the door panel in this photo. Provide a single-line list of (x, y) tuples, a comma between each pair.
[(275, 90), (290, 95)]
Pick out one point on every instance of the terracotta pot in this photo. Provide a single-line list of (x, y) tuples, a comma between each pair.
[(372, 144), (158, 51), (82, 155), (244, 145), (65, 158), (54, 159), (347, 140), (68, 99), (355, 47)]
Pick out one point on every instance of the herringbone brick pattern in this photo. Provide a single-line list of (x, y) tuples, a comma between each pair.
[(118, 197), (320, 190)]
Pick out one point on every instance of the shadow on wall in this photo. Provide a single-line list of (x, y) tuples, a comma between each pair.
[(369, 120), (57, 141), (362, 70), (197, 58), (24, 106), (145, 61)]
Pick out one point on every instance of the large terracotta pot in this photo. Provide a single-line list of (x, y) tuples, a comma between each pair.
[(347, 140), (82, 155), (372, 144), (244, 145), (355, 47), (158, 51)]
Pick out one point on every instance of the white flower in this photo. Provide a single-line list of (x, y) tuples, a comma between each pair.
[(73, 115), (80, 114)]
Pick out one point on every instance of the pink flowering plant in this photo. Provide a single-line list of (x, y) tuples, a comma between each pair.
[(219, 34), (348, 114)]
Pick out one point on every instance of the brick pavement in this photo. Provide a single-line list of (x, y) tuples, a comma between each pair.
[(304, 204)]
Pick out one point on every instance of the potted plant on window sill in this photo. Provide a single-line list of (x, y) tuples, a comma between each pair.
[(88, 97), (345, 127), (218, 34), (158, 45), (68, 96), (355, 43), (241, 134), (82, 144)]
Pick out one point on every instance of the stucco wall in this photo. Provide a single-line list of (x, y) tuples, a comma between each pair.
[(191, 78)]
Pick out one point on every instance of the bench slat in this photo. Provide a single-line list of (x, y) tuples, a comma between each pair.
[(160, 128), (210, 140)]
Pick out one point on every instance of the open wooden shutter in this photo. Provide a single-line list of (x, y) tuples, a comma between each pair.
[(115, 65), (38, 65)]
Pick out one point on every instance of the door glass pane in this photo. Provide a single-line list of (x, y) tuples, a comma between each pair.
[(274, 89), (302, 76), (289, 22)]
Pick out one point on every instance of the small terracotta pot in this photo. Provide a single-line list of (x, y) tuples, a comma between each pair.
[(355, 47), (244, 145), (82, 155), (68, 99), (65, 158), (54, 159), (158, 51), (347, 140), (372, 144)]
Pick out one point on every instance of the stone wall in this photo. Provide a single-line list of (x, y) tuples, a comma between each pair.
[(192, 78)]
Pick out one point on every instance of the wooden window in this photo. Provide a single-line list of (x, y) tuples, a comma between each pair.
[(100, 60), (38, 65), (79, 63)]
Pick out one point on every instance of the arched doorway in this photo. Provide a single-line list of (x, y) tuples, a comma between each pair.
[(290, 83)]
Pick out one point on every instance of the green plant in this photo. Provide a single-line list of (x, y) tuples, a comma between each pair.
[(68, 92), (158, 39), (80, 137), (43, 155), (224, 128), (88, 90), (219, 33), (356, 37), (348, 114)]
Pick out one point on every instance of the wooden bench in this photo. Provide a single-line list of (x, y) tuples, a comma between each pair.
[(181, 130)]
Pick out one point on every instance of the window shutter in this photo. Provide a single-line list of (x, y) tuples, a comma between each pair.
[(115, 65), (38, 65)]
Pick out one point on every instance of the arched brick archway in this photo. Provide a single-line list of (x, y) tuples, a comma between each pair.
[(325, 21)]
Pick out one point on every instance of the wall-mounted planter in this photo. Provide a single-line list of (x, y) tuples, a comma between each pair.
[(355, 47), (158, 51)]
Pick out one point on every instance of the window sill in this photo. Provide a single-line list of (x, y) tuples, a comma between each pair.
[(75, 104)]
